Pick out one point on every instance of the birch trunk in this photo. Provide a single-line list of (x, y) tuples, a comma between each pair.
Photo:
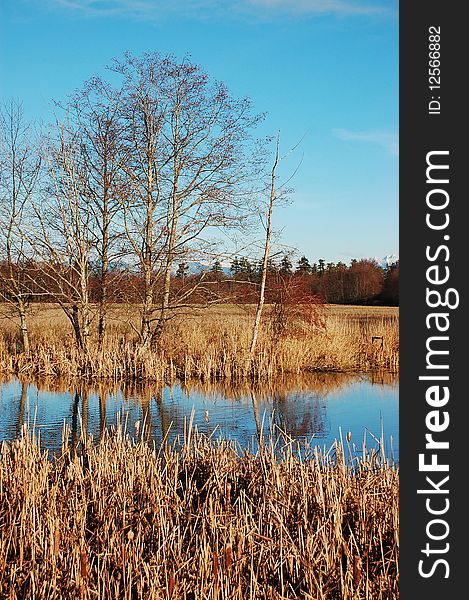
[(23, 327), (260, 305)]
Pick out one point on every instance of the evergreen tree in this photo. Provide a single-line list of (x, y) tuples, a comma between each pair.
[(235, 267), (245, 266), (303, 266), (285, 266), (321, 266)]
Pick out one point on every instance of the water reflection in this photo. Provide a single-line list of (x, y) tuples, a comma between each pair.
[(315, 406), (19, 420)]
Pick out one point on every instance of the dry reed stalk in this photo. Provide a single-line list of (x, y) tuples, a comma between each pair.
[(200, 520)]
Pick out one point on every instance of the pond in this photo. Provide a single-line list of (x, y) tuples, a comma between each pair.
[(318, 408)]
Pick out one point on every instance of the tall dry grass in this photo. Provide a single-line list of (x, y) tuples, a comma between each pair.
[(210, 345), (125, 520)]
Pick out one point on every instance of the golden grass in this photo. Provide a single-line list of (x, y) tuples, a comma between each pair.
[(210, 345), (122, 519)]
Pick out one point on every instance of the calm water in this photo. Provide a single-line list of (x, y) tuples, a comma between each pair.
[(316, 408)]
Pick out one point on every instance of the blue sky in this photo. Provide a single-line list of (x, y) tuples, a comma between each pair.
[(325, 71)]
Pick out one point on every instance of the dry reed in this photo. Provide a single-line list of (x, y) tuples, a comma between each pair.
[(122, 519), (210, 346)]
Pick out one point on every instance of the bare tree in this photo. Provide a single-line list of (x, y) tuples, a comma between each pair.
[(189, 144), (142, 217), (97, 121), (61, 232), (20, 166)]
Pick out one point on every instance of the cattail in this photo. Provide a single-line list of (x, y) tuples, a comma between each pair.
[(56, 541), (357, 570), (171, 584), (215, 564), (84, 565), (349, 436), (228, 556), (228, 493)]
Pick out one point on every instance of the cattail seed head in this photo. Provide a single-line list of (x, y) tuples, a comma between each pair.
[(171, 583), (84, 565), (56, 541), (357, 570)]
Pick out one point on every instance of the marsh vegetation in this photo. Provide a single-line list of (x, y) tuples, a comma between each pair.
[(212, 344), (124, 519)]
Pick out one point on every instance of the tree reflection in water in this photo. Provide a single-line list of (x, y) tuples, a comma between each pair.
[(21, 405), (297, 405)]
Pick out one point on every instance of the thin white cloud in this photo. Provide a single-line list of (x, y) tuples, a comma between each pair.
[(387, 140), (157, 9), (135, 9), (302, 7)]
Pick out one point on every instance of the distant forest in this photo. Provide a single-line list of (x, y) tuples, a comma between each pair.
[(362, 282)]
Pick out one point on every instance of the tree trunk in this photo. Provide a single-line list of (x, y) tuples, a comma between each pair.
[(76, 327), (173, 215), (85, 312), (102, 313), (265, 261), (23, 327), (147, 260), (167, 284), (145, 331)]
